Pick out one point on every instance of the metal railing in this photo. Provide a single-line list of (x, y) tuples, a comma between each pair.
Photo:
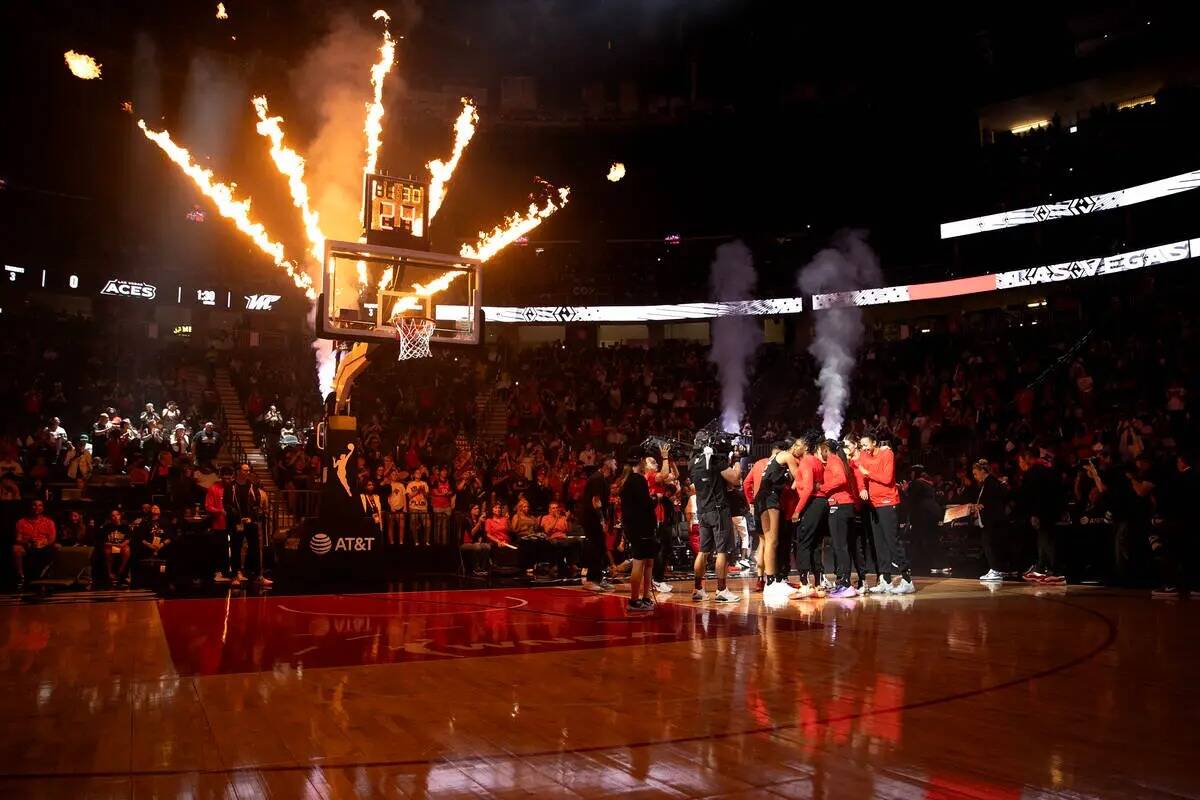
[(286, 508)]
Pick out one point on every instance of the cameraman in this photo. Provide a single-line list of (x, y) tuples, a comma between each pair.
[(711, 474)]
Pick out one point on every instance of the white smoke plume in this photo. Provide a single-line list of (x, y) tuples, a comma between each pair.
[(848, 265), (326, 362), (335, 80), (335, 77), (734, 339)]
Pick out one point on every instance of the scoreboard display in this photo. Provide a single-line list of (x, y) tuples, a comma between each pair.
[(396, 211), (21, 279)]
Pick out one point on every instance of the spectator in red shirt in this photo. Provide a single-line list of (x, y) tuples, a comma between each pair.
[(214, 504), (441, 501), (555, 524), (496, 528), (35, 542)]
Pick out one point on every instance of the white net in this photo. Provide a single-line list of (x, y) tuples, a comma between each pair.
[(413, 334)]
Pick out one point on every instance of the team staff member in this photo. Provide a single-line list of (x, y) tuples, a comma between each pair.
[(877, 465), (711, 474), (991, 515), (591, 508)]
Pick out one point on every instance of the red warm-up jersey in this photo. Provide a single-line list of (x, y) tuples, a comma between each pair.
[(881, 477), (808, 479), (750, 485), (836, 483)]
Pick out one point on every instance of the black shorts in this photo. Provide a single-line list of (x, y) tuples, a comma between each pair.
[(716, 531), (766, 501), (643, 547)]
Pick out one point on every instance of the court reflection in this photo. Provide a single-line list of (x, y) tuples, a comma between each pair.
[(954, 692)]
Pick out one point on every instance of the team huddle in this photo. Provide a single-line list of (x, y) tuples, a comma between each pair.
[(805, 490)]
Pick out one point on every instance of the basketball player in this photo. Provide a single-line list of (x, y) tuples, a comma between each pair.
[(862, 545), (809, 515), (780, 472), (750, 491), (836, 487), (877, 465), (711, 474)]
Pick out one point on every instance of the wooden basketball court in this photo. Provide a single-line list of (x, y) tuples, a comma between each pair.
[(960, 691)]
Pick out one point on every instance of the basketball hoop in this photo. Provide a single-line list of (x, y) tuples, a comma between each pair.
[(413, 335)]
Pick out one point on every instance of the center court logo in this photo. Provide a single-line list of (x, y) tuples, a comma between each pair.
[(320, 544)]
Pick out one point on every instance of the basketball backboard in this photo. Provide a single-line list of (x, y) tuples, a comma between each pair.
[(366, 287)]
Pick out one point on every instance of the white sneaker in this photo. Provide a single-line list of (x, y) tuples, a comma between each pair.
[(605, 586), (220, 578), (880, 587), (662, 587), (992, 575), (264, 581), (904, 587), (805, 591), (239, 579), (779, 590), (827, 584), (726, 596), (699, 595)]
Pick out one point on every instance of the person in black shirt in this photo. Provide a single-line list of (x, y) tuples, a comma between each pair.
[(1039, 502), (990, 510), (1173, 541), (1117, 500), (154, 535), (591, 510), (116, 547), (638, 523), (242, 509), (925, 513), (711, 474), (539, 495)]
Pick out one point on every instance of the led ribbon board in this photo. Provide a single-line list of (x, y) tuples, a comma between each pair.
[(1075, 207), (670, 312), (1028, 276)]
